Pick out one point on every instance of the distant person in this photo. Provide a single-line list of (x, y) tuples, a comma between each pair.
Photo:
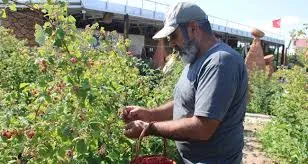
[(245, 50), (207, 113)]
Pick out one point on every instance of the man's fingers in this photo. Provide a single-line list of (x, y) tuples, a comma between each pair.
[(134, 129), (124, 112), (129, 130), (131, 133), (129, 125), (129, 108), (132, 114)]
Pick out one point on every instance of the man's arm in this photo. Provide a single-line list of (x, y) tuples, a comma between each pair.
[(193, 128), (162, 113)]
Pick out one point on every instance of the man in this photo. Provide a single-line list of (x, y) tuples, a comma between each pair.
[(206, 116)]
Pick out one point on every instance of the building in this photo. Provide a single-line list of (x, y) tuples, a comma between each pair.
[(139, 20), (301, 43)]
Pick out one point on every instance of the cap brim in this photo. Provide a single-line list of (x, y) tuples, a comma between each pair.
[(164, 32)]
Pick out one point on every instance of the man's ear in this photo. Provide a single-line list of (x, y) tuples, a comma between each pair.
[(193, 26), (193, 29)]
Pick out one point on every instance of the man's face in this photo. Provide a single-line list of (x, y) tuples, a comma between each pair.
[(186, 48)]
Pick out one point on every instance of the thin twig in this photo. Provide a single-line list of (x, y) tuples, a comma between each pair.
[(66, 48)]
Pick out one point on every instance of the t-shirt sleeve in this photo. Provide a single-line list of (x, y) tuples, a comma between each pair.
[(215, 90)]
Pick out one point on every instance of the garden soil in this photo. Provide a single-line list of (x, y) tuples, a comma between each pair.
[(252, 153)]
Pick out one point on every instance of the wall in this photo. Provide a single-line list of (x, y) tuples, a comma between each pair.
[(22, 23)]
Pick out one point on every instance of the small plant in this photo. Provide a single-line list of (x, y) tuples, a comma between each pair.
[(263, 91)]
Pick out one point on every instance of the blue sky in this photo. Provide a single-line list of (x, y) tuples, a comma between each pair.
[(257, 13)]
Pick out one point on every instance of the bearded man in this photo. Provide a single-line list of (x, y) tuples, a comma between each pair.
[(206, 115)]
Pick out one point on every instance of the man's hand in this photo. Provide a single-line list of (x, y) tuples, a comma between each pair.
[(134, 128), (132, 113)]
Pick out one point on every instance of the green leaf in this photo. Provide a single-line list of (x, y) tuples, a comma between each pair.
[(81, 146), (57, 43), (59, 37), (13, 7), (23, 85), (93, 41), (62, 4), (85, 83), (44, 151), (71, 19), (40, 36), (5, 1), (78, 54), (48, 31), (60, 33), (68, 79), (3, 13), (44, 10), (12, 161), (95, 126), (36, 6)]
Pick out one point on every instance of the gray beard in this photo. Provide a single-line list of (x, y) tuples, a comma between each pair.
[(189, 52), (188, 58)]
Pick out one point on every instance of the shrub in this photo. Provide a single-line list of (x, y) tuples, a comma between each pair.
[(59, 101), (285, 138), (263, 91)]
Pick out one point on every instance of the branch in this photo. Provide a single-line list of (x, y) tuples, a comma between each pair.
[(66, 48)]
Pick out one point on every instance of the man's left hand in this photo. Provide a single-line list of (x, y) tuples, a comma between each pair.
[(134, 128)]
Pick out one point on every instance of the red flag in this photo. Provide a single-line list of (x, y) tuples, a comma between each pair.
[(276, 23)]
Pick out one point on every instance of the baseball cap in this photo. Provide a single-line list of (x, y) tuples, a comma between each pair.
[(180, 13)]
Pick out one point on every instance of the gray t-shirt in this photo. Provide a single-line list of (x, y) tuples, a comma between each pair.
[(214, 86)]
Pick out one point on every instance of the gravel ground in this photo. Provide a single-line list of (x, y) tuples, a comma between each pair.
[(252, 149)]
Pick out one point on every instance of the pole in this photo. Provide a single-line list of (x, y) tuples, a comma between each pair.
[(126, 26)]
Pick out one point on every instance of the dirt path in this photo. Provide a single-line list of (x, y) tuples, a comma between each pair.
[(252, 150)]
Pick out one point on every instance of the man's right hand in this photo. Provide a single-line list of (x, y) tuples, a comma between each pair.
[(131, 113)]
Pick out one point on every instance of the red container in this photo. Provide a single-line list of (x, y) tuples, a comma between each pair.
[(152, 159)]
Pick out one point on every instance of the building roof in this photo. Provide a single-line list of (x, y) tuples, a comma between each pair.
[(152, 12), (301, 43)]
